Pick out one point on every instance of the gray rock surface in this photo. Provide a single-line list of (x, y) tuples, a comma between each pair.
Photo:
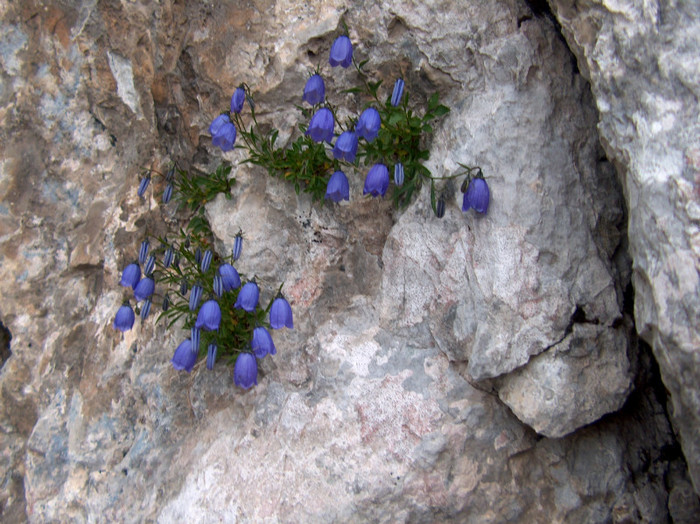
[(394, 399), (641, 61)]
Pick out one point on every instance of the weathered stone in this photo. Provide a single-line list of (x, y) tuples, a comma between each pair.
[(369, 411), (640, 59)]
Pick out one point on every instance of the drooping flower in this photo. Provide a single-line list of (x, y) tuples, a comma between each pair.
[(346, 146), (143, 185), (194, 337), (477, 196), (150, 265), (218, 285), (338, 187), (184, 358), (248, 297), (195, 296), (211, 356), (145, 309), (209, 316), (245, 372), (397, 94), (321, 126), (314, 90), (144, 289), (377, 180), (281, 314), (124, 319), (131, 275), (168, 193), (237, 246), (398, 174), (223, 133), (368, 124), (262, 343), (341, 52), (229, 277), (237, 100), (206, 260), (143, 251), (168, 257)]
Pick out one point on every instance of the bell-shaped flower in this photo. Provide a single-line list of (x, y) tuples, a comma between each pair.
[(131, 275), (144, 289), (398, 174), (143, 251), (223, 133), (229, 277), (281, 314), (145, 309), (218, 286), (168, 193), (237, 100), (377, 181), (211, 356), (209, 316), (397, 94), (338, 187), (206, 260), (184, 358), (245, 372), (150, 265), (262, 343), (143, 185), (194, 338), (195, 296), (314, 90), (237, 247), (368, 124), (341, 52), (346, 147), (248, 297), (124, 319), (321, 126), (477, 196)]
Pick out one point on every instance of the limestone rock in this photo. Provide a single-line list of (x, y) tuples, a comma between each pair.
[(640, 61)]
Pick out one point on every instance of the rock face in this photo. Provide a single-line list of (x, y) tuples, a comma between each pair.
[(638, 58), (439, 370)]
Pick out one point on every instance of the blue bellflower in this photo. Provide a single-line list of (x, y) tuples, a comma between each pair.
[(145, 309), (338, 187), (223, 133), (195, 296), (124, 319), (131, 275), (346, 147), (281, 314), (209, 316), (397, 94), (218, 286), (144, 289), (211, 356), (477, 196), (206, 260), (237, 247), (248, 297), (150, 265), (398, 174), (229, 277), (314, 90), (368, 124), (184, 358), (341, 52), (143, 251), (194, 338), (377, 181), (237, 100), (262, 343), (245, 372), (168, 257), (321, 126)]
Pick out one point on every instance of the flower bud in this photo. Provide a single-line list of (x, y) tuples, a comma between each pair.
[(206, 261), (194, 337), (440, 208), (398, 174), (218, 286), (195, 296), (168, 193), (168, 258), (143, 251), (237, 246), (150, 265), (198, 255), (145, 309), (166, 302), (397, 95), (143, 185), (211, 356)]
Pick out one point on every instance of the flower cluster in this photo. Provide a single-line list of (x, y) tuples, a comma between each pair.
[(387, 137)]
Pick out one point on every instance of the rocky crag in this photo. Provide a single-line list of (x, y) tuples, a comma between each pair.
[(537, 364)]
